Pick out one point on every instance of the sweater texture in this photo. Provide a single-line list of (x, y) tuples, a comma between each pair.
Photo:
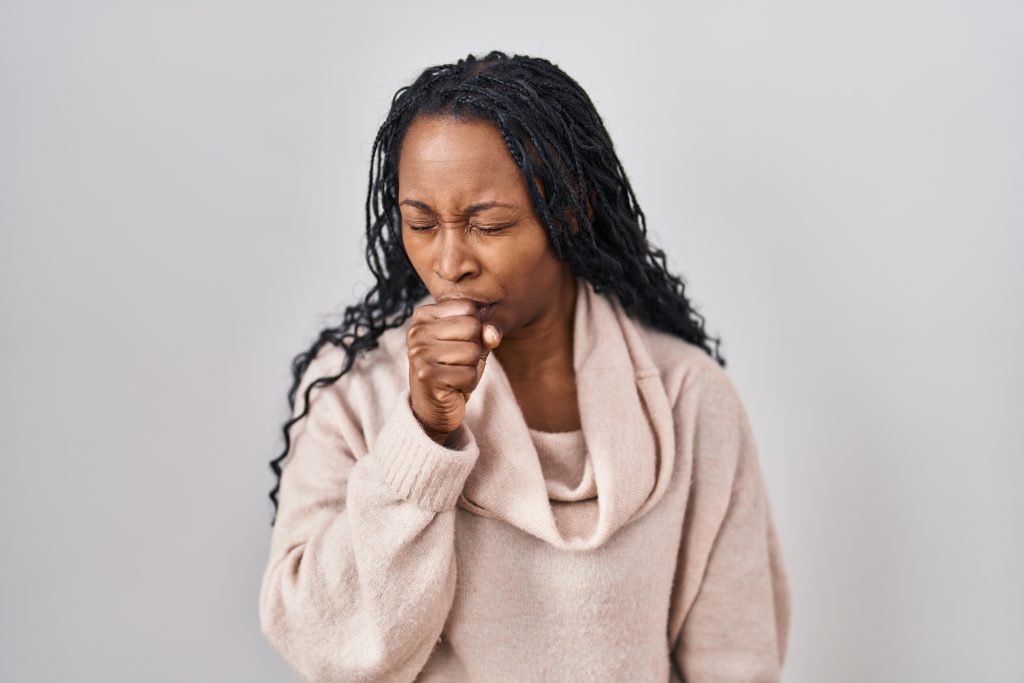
[(640, 547)]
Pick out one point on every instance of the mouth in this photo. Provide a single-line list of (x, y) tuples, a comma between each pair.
[(484, 311), (480, 303)]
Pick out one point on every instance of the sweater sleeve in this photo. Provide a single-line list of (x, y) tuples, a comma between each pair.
[(361, 574), (736, 627)]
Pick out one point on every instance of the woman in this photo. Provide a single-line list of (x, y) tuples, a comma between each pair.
[(518, 459)]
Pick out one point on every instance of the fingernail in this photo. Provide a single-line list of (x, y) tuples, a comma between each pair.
[(494, 336)]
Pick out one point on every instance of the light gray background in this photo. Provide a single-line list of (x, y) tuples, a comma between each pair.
[(181, 194)]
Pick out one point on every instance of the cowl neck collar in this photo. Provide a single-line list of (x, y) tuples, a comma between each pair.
[(625, 418)]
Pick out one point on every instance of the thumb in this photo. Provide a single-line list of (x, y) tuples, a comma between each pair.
[(491, 338)]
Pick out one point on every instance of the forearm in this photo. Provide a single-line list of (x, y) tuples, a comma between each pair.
[(362, 591), (365, 597)]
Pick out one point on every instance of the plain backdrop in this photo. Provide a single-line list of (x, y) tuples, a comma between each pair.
[(181, 196)]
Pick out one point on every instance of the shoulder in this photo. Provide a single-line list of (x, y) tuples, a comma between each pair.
[(357, 394), (711, 421), (371, 371), (688, 372)]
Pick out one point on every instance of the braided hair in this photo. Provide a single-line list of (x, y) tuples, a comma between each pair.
[(577, 185)]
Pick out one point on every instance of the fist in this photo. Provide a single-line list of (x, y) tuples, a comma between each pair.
[(448, 348)]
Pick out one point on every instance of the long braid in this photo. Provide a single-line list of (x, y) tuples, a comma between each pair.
[(583, 199)]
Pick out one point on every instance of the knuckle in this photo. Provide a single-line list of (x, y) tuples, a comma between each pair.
[(466, 328), (467, 376)]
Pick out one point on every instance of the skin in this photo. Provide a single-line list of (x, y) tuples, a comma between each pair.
[(454, 178)]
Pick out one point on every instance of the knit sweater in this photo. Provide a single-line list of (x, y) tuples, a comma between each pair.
[(646, 553)]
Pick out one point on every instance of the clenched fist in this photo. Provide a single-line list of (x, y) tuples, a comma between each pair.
[(448, 348)]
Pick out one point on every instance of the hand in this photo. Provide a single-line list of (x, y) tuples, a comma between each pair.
[(448, 348)]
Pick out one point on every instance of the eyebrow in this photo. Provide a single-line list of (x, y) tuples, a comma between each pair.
[(472, 208)]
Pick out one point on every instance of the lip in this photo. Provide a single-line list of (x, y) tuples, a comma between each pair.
[(476, 300)]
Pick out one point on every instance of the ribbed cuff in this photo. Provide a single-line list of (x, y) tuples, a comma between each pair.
[(420, 469)]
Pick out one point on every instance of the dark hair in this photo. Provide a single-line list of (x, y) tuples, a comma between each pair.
[(559, 141)]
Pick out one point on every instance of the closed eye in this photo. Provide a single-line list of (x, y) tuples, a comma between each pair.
[(491, 230), (487, 230)]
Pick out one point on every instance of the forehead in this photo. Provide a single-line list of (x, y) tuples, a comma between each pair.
[(443, 155)]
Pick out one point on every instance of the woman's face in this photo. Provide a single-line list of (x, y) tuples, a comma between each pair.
[(468, 225)]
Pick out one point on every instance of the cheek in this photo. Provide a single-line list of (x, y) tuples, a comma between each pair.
[(530, 268), (518, 262), (531, 251)]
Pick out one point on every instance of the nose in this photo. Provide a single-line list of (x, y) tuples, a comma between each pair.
[(454, 260)]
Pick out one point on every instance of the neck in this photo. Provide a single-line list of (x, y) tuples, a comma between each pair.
[(544, 350)]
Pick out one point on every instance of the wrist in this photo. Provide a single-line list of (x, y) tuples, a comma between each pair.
[(440, 437)]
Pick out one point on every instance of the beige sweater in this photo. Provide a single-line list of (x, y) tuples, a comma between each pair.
[(395, 558)]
